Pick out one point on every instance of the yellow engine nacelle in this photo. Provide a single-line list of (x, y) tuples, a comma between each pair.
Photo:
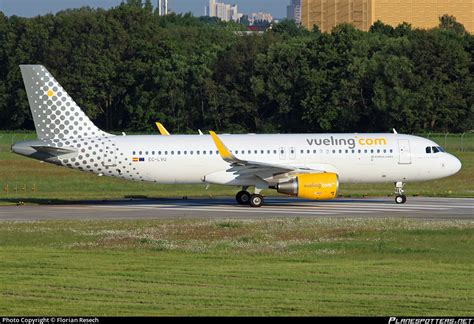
[(314, 186)]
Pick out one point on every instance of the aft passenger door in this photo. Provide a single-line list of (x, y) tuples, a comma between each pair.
[(404, 154)]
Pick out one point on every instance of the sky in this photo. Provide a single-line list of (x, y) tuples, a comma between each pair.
[(30, 8)]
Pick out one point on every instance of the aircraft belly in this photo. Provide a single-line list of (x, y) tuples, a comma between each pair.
[(366, 171), (179, 173)]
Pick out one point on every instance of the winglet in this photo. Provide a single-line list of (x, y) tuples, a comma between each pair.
[(226, 155), (162, 129)]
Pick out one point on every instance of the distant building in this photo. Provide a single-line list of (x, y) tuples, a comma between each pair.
[(251, 30), (293, 11), (260, 16), (363, 13), (162, 7), (223, 11)]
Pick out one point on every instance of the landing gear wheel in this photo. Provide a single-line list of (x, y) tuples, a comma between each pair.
[(256, 201), (243, 197), (401, 199)]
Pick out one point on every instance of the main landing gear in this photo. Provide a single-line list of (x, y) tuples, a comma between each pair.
[(400, 198), (245, 198)]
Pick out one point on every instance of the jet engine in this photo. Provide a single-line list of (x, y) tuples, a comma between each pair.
[(316, 186)]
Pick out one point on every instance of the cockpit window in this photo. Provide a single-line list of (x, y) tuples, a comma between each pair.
[(435, 149), (441, 149), (428, 149)]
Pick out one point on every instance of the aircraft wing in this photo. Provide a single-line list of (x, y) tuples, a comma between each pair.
[(251, 168), (162, 129)]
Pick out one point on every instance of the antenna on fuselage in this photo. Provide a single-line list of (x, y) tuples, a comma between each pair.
[(394, 131)]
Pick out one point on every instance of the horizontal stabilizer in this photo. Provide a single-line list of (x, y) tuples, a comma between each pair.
[(53, 150)]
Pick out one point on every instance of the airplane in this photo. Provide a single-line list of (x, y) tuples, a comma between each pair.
[(309, 166)]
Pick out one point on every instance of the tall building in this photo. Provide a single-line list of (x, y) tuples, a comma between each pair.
[(223, 11), (363, 13), (293, 11), (162, 7)]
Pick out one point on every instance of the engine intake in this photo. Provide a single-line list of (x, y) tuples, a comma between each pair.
[(314, 186)]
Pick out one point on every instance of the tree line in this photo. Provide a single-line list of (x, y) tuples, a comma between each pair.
[(128, 67)]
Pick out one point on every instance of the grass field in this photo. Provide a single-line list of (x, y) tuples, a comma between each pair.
[(252, 267), (291, 266), (55, 184)]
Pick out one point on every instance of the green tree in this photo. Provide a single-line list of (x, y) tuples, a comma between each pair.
[(449, 22)]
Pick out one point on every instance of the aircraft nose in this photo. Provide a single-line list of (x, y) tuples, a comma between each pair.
[(454, 165)]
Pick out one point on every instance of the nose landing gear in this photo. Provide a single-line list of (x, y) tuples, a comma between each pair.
[(400, 198)]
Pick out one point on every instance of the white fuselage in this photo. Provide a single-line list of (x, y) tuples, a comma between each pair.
[(188, 159)]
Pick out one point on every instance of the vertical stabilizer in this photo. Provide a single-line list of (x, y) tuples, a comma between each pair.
[(55, 114)]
